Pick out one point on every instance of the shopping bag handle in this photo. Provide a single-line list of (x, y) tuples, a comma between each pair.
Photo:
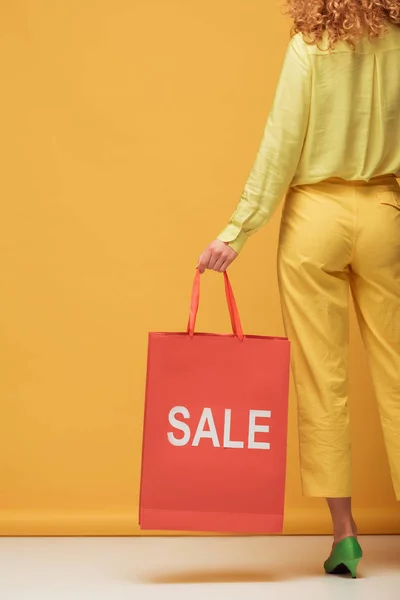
[(232, 306)]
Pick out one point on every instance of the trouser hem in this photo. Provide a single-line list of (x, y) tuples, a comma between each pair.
[(327, 494)]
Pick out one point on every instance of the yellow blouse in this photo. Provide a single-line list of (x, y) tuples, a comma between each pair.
[(335, 114)]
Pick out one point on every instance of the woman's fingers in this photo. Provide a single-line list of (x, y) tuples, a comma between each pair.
[(214, 260), (217, 257), (230, 256), (219, 264), (204, 261), (226, 265)]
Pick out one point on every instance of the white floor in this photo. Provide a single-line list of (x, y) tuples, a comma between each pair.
[(191, 569)]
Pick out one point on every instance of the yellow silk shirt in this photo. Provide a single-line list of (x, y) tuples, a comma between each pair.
[(335, 114)]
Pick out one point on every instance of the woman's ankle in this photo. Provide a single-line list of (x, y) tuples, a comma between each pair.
[(342, 533), (344, 529), (342, 518)]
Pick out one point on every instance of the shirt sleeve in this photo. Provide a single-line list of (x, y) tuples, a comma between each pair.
[(280, 150)]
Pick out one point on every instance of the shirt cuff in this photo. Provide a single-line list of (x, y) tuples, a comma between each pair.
[(234, 237)]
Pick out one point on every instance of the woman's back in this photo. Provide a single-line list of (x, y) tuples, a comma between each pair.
[(354, 114), (336, 114)]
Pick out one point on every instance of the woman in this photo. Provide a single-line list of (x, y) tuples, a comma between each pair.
[(333, 139)]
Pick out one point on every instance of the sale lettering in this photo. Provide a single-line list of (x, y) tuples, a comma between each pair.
[(206, 429)]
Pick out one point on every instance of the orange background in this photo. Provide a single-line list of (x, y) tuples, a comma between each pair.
[(128, 131)]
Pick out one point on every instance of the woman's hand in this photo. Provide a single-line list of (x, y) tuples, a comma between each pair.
[(217, 257)]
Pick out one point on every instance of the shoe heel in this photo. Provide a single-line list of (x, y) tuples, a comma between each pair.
[(344, 558), (352, 565)]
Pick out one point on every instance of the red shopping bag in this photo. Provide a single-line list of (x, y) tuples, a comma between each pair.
[(215, 429)]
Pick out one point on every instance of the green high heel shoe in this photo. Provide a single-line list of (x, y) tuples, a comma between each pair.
[(344, 558)]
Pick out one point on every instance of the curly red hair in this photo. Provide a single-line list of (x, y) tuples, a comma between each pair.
[(343, 20)]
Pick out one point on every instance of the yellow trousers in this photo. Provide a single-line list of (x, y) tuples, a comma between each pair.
[(336, 236)]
